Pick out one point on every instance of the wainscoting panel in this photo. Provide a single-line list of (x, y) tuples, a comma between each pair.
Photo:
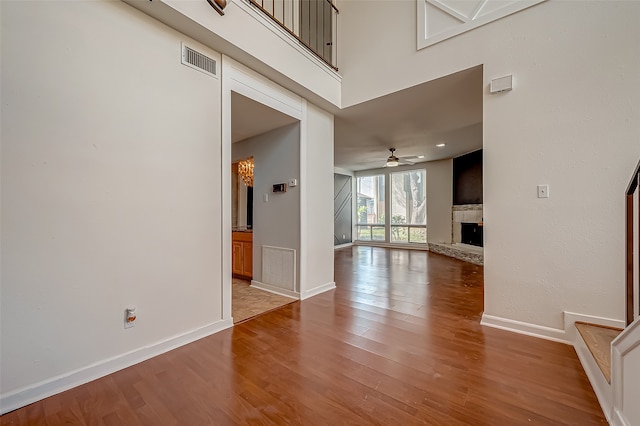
[(279, 267), (439, 20), (342, 212)]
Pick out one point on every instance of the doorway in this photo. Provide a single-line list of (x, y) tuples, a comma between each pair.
[(269, 140)]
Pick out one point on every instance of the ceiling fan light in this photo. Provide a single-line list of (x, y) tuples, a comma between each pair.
[(392, 161)]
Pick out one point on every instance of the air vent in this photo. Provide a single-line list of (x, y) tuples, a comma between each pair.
[(196, 60)]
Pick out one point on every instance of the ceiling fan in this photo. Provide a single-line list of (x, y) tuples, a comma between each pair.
[(394, 161)]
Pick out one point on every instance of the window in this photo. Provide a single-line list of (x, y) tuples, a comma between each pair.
[(371, 208), (408, 207), (403, 219)]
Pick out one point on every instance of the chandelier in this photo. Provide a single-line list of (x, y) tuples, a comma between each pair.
[(245, 171)]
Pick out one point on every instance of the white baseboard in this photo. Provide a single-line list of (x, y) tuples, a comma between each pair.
[(339, 246), (276, 290), (288, 293), (27, 395), (571, 318), (320, 289), (542, 332), (618, 419), (415, 246)]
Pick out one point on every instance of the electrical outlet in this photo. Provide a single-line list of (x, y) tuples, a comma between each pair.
[(130, 317)]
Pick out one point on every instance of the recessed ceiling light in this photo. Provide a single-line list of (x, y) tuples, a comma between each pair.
[(420, 156), (440, 145)]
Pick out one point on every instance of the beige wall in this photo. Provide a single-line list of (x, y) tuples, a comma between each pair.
[(110, 189), (439, 200), (251, 38), (113, 190), (317, 210), (571, 121)]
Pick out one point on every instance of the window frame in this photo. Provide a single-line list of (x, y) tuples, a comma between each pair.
[(359, 224), (386, 174)]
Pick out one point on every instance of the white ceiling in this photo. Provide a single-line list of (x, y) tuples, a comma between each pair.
[(250, 118), (447, 110)]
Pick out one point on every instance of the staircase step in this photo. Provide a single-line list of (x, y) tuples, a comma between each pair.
[(598, 339)]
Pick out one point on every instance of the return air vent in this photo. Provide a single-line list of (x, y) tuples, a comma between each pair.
[(279, 267), (196, 60)]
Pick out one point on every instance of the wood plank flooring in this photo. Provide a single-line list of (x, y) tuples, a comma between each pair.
[(598, 339), (398, 342)]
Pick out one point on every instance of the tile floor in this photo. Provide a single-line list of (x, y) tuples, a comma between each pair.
[(248, 302)]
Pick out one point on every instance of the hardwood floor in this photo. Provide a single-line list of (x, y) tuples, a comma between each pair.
[(399, 342)]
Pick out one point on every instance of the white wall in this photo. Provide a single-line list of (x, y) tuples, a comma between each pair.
[(251, 38), (276, 223), (317, 211), (631, 387), (439, 200), (298, 219), (625, 370), (315, 183), (571, 121), (113, 177), (110, 192)]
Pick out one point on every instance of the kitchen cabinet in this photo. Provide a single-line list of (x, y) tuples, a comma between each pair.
[(242, 254)]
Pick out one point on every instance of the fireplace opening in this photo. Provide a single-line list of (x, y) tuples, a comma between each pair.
[(471, 233)]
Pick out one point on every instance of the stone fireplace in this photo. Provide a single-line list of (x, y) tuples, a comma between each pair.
[(467, 247), (471, 216)]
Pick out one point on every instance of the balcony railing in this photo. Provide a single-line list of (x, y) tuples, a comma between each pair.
[(314, 23)]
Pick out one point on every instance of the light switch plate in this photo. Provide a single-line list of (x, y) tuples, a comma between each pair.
[(543, 191)]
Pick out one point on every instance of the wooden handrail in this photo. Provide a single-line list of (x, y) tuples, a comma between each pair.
[(632, 252)]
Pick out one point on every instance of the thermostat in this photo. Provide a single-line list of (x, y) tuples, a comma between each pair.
[(279, 187)]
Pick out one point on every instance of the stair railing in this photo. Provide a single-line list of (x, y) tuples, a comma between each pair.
[(633, 247)]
